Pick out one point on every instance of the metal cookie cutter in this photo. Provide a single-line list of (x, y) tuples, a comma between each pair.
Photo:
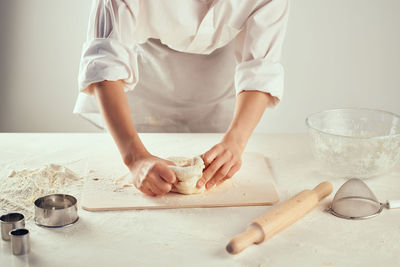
[(20, 241), (56, 210), (11, 221)]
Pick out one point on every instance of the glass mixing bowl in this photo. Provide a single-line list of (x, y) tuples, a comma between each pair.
[(358, 143)]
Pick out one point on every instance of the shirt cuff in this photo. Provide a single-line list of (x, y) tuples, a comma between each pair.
[(260, 75), (106, 60)]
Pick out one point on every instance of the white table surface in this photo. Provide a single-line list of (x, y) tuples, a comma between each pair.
[(197, 237)]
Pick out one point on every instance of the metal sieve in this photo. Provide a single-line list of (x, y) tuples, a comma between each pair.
[(354, 200)]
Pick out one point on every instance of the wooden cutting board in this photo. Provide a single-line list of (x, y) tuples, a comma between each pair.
[(253, 185)]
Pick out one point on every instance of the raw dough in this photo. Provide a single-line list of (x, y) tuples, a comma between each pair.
[(188, 171)]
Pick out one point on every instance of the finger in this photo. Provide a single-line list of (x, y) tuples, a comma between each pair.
[(221, 181), (219, 175), (148, 192), (157, 192), (139, 175), (164, 172), (213, 168), (233, 170), (150, 184), (210, 155), (145, 189), (230, 174), (153, 194), (154, 189), (160, 185)]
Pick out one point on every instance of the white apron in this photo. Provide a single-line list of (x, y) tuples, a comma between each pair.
[(182, 65)]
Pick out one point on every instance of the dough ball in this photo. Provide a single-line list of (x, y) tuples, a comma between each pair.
[(188, 171)]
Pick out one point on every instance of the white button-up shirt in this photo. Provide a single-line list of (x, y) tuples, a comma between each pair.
[(183, 61)]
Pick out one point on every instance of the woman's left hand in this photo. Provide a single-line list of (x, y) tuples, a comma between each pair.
[(222, 161)]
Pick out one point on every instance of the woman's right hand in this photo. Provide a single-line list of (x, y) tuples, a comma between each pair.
[(152, 176)]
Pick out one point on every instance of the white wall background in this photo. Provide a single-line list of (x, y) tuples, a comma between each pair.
[(343, 53)]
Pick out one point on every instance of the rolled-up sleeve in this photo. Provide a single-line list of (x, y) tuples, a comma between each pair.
[(258, 49), (108, 53)]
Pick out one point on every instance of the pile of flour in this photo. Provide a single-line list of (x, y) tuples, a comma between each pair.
[(21, 188)]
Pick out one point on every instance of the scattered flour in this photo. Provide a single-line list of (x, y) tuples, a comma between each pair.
[(21, 188)]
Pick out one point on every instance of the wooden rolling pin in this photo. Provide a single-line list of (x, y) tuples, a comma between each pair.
[(279, 218)]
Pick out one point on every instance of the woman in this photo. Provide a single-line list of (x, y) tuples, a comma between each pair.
[(181, 66)]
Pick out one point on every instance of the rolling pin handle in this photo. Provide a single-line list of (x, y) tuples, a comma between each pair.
[(323, 190), (253, 235)]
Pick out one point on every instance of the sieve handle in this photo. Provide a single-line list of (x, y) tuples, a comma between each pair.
[(393, 204), (323, 190)]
